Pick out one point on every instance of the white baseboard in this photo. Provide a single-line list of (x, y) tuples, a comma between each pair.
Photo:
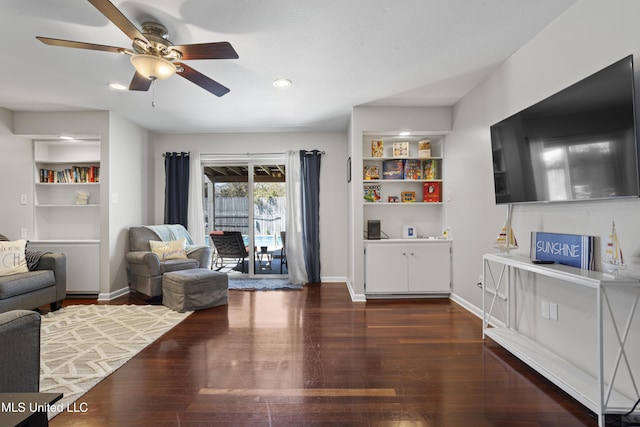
[(475, 310), (355, 297), (113, 295), (466, 305), (333, 279)]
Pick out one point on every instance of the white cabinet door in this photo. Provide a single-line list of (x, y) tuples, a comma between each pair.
[(419, 267), (386, 268), (429, 267)]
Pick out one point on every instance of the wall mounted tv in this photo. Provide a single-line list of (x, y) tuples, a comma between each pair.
[(579, 144)]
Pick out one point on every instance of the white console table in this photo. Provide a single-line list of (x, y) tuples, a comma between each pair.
[(597, 393)]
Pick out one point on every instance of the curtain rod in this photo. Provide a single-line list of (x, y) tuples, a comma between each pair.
[(182, 153), (245, 154)]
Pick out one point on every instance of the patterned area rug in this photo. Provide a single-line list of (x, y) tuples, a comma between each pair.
[(262, 284), (82, 344)]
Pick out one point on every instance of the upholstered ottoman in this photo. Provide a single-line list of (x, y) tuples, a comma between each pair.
[(194, 289)]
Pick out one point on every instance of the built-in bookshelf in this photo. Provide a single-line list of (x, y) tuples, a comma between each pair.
[(402, 188), (400, 171), (403, 175), (67, 207)]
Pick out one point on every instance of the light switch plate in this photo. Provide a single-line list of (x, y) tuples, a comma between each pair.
[(545, 309)]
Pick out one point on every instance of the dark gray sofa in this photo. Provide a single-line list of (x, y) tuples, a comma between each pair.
[(47, 284), (20, 352)]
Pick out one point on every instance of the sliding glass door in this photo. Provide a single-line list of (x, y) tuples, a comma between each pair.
[(246, 197), (269, 210)]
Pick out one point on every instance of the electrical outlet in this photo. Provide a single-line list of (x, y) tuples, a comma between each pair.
[(545, 309), (553, 311), (23, 233), (23, 199)]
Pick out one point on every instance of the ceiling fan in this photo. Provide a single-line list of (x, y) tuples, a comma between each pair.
[(153, 55)]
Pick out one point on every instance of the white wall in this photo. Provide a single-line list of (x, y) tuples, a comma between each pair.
[(130, 183), (333, 211), (587, 37), (16, 174)]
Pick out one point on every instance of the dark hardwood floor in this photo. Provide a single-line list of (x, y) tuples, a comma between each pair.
[(313, 357)]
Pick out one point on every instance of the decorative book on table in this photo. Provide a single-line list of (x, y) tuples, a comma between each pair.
[(377, 148), (393, 169), (412, 169), (424, 149), (372, 193), (431, 192), (568, 249), (400, 149), (371, 172)]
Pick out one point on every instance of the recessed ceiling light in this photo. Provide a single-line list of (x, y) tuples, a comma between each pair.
[(282, 83), (405, 133), (65, 137), (117, 86)]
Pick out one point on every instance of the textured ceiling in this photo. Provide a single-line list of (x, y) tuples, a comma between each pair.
[(339, 54)]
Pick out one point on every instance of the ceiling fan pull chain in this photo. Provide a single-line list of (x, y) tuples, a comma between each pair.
[(153, 93)]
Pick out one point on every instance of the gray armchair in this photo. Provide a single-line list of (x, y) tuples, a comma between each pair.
[(20, 352), (145, 269)]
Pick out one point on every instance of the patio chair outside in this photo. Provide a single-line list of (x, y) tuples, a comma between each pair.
[(228, 244)]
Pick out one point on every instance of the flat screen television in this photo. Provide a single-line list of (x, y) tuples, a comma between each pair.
[(578, 144)]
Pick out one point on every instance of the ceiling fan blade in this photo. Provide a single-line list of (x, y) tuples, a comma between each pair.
[(218, 50), (81, 45), (201, 80), (140, 82), (114, 15)]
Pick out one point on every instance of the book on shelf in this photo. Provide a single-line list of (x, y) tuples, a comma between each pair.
[(408, 196), (74, 174), (372, 193), (400, 149), (393, 169), (82, 197), (377, 148), (430, 169), (424, 149), (412, 169), (371, 172), (431, 192)]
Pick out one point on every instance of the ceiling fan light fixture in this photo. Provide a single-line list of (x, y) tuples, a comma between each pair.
[(153, 67)]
